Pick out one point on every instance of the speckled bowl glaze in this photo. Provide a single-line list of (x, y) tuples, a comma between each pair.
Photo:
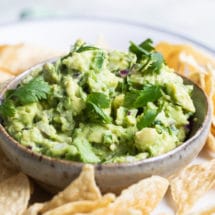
[(55, 174)]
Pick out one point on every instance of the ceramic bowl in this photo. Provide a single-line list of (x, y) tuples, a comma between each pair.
[(55, 174)]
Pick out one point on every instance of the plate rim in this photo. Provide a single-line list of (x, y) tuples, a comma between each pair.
[(110, 20)]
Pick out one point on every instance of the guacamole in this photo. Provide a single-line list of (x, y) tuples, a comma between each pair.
[(99, 106)]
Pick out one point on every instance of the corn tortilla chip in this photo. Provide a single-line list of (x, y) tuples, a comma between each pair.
[(139, 198), (145, 195), (208, 211), (114, 211), (14, 195), (83, 188), (211, 142), (83, 206), (34, 209), (191, 183), (5, 75), (17, 58), (167, 49)]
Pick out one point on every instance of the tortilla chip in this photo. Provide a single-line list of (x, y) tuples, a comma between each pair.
[(213, 129), (17, 58), (213, 120), (191, 184), (208, 211), (14, 195), (34, 209), (5, 75), (83, 188), (211, 142), (139, 198), (114, 211), (209, 83), (144, 195), (83, 206), (167, 49)]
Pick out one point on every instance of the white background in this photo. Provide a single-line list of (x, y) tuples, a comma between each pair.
[(194, 18)]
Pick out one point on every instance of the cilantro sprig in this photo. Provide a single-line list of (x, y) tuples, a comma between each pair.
[(33, 91), (84, 48), (7, 108), (139, 98), (150, 60), (95, 103), (148, 117)]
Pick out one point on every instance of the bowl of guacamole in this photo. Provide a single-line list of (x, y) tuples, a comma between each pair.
[(104, 107)]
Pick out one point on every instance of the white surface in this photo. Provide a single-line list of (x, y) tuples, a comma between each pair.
[(62, 33), (194, 18)]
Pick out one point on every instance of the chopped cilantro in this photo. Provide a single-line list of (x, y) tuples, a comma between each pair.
[(33, 91), (147, 118), (150, 60), (139, 98), (95, 103)]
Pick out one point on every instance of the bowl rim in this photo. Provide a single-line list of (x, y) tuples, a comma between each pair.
[(49, 159)]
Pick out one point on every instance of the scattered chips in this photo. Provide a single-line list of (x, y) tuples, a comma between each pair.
[(197, 66), (139, 198), (192, 183), (82, 196), (14, 195)]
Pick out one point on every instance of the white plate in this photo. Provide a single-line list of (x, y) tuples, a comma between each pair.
[(61, 33)]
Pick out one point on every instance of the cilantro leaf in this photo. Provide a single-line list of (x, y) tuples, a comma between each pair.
[(95, 102), (86, 48), (99, 99), (150, 60), (7, 108), (156, 61), (147, 45), (130, 98), (147, 119), (33, 91), (96, 114), (149, 116), (148, 94), (138, 50), (99, 60), (140, 98), (143, 49)]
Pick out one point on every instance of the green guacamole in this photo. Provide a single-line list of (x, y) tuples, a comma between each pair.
[(100, 106)]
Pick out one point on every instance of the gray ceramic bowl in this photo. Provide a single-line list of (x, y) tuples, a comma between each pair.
[(55, 174)]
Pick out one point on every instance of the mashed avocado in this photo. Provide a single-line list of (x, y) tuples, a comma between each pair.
[(99, 106)]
